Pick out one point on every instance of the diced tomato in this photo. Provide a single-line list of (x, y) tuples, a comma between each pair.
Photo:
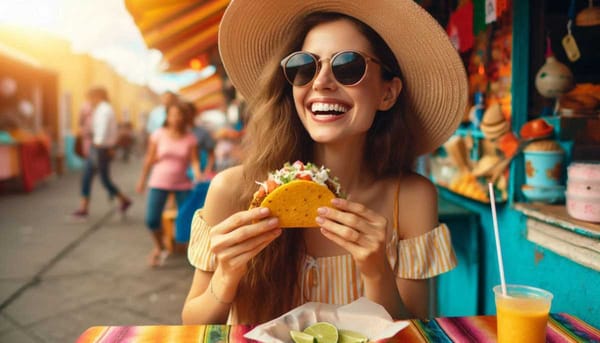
[(303, 177), (271, 185), (299, 165), (260, 193)]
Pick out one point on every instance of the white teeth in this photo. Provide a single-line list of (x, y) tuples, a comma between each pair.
[(327, 107)]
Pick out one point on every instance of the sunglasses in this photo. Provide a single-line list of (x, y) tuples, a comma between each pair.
[(348, 67)]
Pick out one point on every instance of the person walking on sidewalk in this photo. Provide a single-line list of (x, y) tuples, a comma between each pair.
[(171, 150), (104, 138)]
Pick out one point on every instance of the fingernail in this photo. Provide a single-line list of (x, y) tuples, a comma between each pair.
[(320, 220), (263, 210), (277, 232), (336, 201), (322, 210), (273, 221)]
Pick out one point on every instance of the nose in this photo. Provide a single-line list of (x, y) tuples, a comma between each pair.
[(324, 78)]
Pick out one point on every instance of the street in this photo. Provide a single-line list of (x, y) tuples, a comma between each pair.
[(58, 278)]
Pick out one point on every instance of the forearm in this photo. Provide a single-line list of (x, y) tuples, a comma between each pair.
[(384, 291), (211, 306), (204, 309), (145, 170)]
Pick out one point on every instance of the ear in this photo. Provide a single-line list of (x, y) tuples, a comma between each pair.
[(391, 91)]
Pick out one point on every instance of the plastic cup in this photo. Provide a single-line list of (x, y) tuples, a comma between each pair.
[(522, 314)]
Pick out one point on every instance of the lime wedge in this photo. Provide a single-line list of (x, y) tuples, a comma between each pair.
[(347, 336), (301, 337), (324, 332)]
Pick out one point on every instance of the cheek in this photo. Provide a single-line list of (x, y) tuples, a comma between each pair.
[(299, 95)]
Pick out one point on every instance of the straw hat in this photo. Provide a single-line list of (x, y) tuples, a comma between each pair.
[(434, 78)]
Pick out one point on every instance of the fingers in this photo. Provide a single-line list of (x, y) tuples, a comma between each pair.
[(353, 223), (347, 232), (243, 235), (231, 249), (244, 257), (356, 208), (343, 242), (240, 219)]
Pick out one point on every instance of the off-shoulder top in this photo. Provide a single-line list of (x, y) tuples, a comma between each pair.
[(336, 279)]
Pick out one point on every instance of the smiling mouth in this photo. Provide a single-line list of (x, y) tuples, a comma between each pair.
[(328, 109)]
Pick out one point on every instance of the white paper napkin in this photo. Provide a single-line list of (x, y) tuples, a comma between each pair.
[(362, 315)]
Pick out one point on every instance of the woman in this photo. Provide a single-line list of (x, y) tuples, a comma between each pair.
[(171, 150), (333, 93)]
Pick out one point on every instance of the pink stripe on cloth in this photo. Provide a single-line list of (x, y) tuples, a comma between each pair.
[(473, 329), (566, 328)]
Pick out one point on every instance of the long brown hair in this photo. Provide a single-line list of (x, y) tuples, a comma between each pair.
[(276, 135), (185, 111)]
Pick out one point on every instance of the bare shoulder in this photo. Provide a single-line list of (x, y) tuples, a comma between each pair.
[(416, 184), (223, 195), (417, 202)]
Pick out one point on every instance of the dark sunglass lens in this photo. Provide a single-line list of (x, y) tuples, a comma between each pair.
[(348, 67), (300, 69)]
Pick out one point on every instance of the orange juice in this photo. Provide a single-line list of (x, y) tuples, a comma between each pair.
[(522, 314)]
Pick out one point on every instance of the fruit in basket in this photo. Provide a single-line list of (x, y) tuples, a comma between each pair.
[(467, 185), (347, 336), (301, 337), (324, 332)]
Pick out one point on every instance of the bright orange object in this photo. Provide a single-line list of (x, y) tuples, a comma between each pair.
[(509, 144), (536, 128), (522, 320)]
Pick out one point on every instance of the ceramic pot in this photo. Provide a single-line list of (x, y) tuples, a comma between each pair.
[(549, 195), (543, 168), (586, 208), (553, 78)]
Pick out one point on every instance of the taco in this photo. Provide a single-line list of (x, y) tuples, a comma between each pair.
[(295, 192)]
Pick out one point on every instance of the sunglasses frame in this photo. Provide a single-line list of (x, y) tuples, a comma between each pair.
[(319, 62)]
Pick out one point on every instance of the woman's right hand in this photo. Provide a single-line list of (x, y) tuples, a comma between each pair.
[(240, 237)]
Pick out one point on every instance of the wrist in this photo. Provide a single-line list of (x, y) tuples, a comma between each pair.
[(223, 287), (378, 274)]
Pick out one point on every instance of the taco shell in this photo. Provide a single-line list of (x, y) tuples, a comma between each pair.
[(296, 203)]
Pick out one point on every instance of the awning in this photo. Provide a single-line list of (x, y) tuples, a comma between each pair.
[(181, 29), (205, 94)]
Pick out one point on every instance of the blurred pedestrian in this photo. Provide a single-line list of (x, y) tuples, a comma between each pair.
[(126, 140), (227, 150), (171, 150), (101, 152), (85, 134), (206, 143), (158, 115)]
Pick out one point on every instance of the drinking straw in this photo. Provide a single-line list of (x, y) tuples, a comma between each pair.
[(497, 235)]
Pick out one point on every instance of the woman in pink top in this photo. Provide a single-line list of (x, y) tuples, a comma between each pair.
[(171, 150)]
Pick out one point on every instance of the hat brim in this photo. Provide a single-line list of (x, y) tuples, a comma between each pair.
[(434, 77)]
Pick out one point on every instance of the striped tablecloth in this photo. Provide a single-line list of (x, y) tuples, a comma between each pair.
[(562, 328)]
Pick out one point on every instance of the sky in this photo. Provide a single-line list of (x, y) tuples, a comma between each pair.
[(102, 28)]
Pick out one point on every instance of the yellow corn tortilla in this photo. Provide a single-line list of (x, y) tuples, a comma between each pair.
[(296, 203)]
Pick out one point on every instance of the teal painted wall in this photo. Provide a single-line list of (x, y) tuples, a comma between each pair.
[(576, 288)]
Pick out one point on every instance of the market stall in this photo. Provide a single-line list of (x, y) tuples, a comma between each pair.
[(532, 130), (27, 120)]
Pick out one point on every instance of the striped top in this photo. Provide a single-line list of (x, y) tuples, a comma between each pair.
[(336, 279)]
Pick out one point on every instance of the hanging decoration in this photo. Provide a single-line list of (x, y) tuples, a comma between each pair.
[(460, 27)]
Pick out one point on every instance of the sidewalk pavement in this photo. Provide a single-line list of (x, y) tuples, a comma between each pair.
[(58, 278)]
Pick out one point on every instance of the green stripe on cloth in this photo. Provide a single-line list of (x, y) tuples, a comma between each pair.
[(217, 333), (432, 331)]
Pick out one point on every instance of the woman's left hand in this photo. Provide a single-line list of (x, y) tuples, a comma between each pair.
[(359, 230)]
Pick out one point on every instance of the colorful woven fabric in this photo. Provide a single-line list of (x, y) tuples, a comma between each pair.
[(561, 328)]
